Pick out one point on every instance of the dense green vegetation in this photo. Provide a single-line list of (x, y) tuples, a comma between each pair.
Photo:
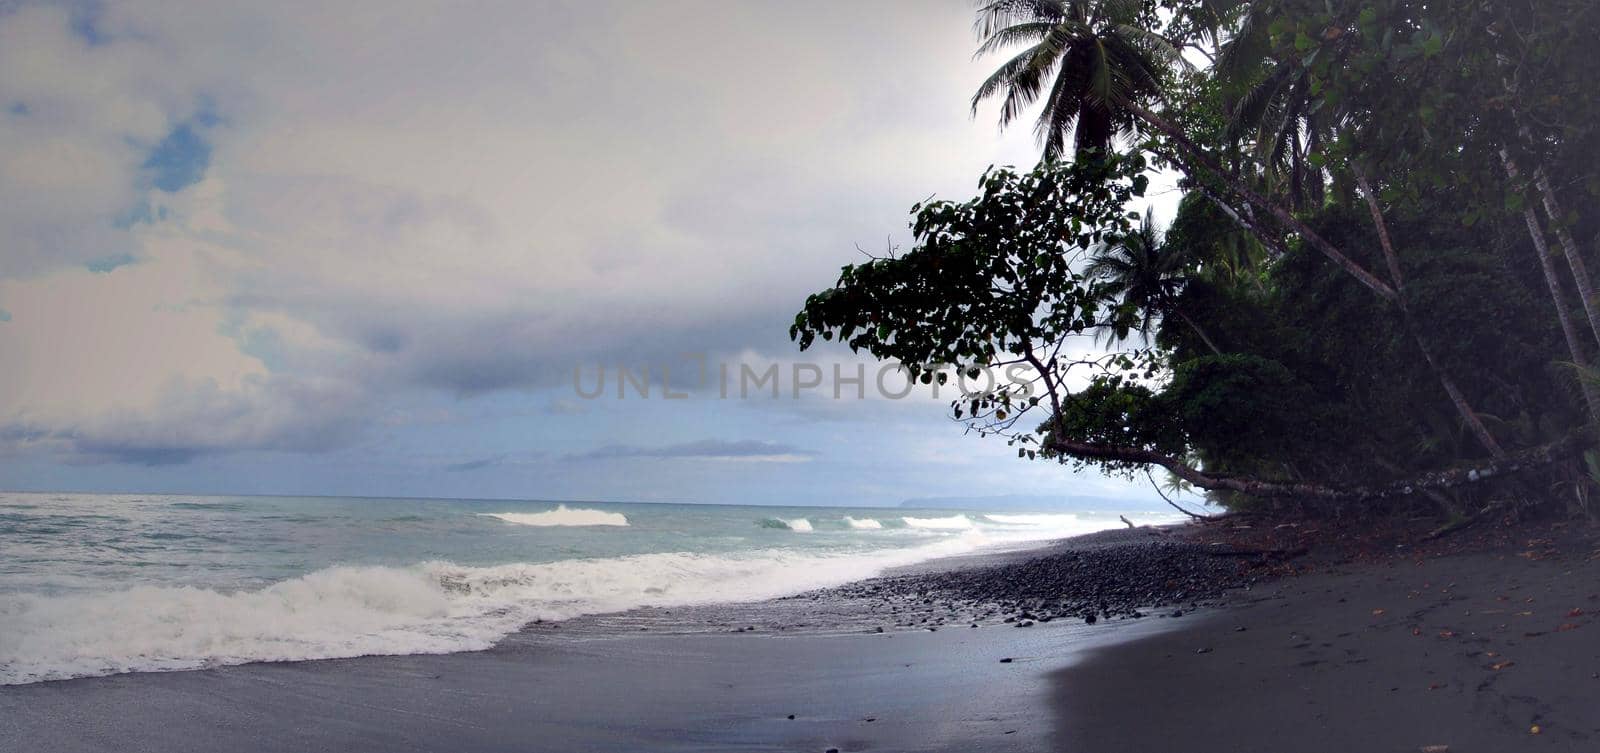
[(1374, 295)]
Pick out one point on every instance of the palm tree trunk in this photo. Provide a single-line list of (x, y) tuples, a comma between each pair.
[(1569, 248), (1371, 281), (1392, 260), (1553, 281), (1385, 242), (1198, 331), (1198, 156), (1274, 249), (1580, 272)]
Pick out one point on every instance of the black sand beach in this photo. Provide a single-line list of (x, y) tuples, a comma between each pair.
[(1484, 651), (1371, 656), (901, 691)]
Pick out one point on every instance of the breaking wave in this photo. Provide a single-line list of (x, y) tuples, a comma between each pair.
[(952, 523), (561, 516), (798, 525), (863, 524), (428, 608)]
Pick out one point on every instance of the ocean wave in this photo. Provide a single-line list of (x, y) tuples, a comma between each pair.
[(863, 524), (427, 608), (798, 525), (1054, 520), (561, 516), (952, 523)]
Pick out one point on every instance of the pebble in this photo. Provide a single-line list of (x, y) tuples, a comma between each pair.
[(1105, 578)]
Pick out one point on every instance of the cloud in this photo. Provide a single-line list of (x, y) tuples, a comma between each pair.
[(189, 420), (79, 121), (746, 450), (228, 228), (475, 465)]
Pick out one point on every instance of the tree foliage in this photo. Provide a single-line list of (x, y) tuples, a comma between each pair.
[(1377, 276)]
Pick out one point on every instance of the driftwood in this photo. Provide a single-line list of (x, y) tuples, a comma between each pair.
[(1463, 524)]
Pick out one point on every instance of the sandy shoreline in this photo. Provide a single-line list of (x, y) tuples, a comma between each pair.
[(1370, 657), (1487, 651), (944, 691), (718, 677)]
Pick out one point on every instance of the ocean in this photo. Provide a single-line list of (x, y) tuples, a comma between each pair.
[(96, 584)]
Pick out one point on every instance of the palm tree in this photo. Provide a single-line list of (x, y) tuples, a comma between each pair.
[(1108, 71), (1146, 275), (1282, 129), (1092, 57)]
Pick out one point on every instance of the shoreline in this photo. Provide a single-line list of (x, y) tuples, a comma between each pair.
[(915, 690), (1346, 651), (691, 678)]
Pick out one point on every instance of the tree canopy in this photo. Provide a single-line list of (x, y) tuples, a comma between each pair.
[(1376, 285)]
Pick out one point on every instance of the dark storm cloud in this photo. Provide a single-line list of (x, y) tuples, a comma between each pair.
[(195, 420)]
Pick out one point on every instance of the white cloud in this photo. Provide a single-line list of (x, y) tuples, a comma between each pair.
[(408, 196), (76, 120)]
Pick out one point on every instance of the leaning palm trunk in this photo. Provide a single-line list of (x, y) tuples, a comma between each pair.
[(1591, 394), (1392, 260), (1198, 332), (1569, 248), (1552, 208), (1197, 157)]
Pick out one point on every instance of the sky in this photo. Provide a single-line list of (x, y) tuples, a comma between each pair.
[(387, 248)]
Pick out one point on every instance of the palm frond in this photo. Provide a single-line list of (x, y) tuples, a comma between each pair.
[(1248, 113), (1011, 35), (1021, 88), (999, 14)]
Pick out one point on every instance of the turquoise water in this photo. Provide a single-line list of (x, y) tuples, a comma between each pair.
[(99, 584)]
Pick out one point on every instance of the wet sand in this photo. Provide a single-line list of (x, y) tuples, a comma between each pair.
[(1487, 652), (898, 691)]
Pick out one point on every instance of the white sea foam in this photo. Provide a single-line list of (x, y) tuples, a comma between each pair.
[(1057, 524), (428, 608), (863, 524), (952, 523), (562, 516), (799, 525), (1033, 519)]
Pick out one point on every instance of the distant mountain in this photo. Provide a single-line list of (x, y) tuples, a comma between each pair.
[(1032, 503)]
